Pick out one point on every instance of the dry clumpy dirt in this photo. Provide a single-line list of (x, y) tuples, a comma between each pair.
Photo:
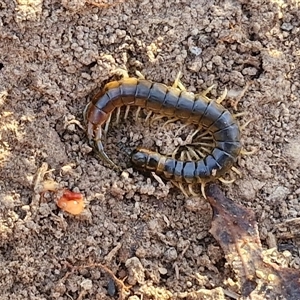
[(53, 56)]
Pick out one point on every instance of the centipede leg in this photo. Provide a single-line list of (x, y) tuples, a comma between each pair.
[(126, 112), (188, 156), (234, 105), (182, 127), (137, 113), (148, 116), (183, 155), (192, 192), (242, 127), (226, 181), (177, 83), (206, 149), (175, 152), (222, 97), (204, 93), (241, 114), (170, 121), (237, 171), (204, 144), (193, 153), (90, 132), (200, 153), (98, 133), (203, 136), (85, 111), (156, 118), (118, 115), (139, 74), (244, 152), (121, 72), (180, 186), (158, 179), (183, 190), (203, 189), (107, 125), (195, 132)]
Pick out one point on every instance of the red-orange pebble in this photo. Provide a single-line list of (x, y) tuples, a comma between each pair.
[(71, 202)]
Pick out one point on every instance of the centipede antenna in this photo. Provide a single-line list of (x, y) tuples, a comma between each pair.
[(222, 97), (118, 115), (126, 112), (148, 116), (107, 125), (137, 113)]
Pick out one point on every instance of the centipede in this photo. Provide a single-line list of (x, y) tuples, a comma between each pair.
[(173, 102)]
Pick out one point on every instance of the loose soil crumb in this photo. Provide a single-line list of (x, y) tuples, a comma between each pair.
[(53, 56)]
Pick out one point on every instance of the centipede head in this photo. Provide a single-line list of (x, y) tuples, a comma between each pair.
[(139, 159), (145, 160)]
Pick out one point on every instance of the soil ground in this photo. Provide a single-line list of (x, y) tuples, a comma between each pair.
[(53, 56)]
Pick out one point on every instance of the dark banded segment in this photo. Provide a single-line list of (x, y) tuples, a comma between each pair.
[(172, 103)]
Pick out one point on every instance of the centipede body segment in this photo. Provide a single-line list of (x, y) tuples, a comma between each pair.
[(170, 102)]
